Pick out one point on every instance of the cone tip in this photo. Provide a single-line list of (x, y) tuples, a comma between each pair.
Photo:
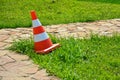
[(33, 14), (32, 11)]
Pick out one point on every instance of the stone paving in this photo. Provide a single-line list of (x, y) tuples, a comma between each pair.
[(15, 66)]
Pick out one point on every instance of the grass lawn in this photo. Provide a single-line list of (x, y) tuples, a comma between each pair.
[(16, 13), (97, 58)]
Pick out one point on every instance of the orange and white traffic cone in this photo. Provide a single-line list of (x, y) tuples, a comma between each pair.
[(42, 42)]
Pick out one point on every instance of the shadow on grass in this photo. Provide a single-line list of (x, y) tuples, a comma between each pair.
[(103, 1)]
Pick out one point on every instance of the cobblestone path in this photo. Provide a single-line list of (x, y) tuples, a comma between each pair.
[(14, 66)]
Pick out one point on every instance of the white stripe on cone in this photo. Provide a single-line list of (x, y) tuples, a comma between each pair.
[(36, 23), (40, 37)]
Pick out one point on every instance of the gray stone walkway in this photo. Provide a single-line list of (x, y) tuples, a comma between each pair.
[(14, 66)]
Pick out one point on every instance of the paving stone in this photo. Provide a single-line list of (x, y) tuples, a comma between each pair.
[(17, 72), (62, 30), (4, 32), (25, 36), (40, 74), (30, 69), (80, 28), (5, 59), (92, 28), (16, 68), (12, 39), (24, 29), (118, 25), (13, 32), (3, 37), (107, 24), (51, 30), (6, 46), (18, 57), (1, 68), (0, 77), (16, 78), (17, 64), (2, 44), (52, 26), (9, 40), (3, 52), (7, 74), (72, 29)]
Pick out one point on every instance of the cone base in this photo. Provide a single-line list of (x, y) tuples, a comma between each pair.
[(46, 51)]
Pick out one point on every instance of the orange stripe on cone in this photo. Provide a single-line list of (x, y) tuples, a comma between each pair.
[(42, 45), (38, 30)]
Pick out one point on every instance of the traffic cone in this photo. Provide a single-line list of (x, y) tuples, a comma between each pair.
[(42, 42)]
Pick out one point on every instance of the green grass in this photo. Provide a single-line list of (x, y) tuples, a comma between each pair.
[(104, 1), (16, 13), (97, 58)]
